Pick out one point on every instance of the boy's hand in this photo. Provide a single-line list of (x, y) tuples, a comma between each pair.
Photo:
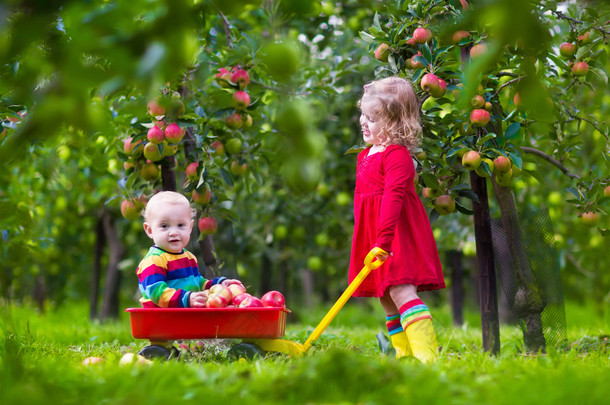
[(198, 299), (228, 282)]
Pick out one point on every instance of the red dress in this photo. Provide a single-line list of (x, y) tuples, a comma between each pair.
[(389, 214)]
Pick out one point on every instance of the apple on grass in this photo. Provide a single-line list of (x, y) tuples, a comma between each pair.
[(132, 358), (90, 361), (273, 299)]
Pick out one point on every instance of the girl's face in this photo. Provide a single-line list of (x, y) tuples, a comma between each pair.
[(371, 130), (169, 226)]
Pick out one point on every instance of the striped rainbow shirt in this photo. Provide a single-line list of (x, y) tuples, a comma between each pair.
[(167, 279)]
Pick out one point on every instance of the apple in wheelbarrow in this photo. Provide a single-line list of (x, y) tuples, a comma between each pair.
[(251, 302), (221, 290), (216, 301), (239, 298), (273, 299)]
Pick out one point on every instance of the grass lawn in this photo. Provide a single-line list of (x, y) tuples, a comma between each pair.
[(41, 355)]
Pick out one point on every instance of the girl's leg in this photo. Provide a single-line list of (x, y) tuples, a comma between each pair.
[(416, 321), (398, 337)]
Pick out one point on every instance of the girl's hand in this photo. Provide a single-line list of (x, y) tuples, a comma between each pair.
[(198, 299)]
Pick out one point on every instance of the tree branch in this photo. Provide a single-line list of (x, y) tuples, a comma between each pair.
[(508, 83), (551, 160)]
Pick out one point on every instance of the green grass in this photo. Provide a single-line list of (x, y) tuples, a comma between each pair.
[(40, 362)]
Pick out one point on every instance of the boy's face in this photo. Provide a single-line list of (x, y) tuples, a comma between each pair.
[(371, 130), (169, 226)]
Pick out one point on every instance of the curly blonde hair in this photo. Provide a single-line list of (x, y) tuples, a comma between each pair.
[(397, 111)]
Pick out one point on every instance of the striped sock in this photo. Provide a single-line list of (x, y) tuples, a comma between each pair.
[(393, 324), (413, 311)]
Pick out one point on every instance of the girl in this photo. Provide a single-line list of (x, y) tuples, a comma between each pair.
[(389, 214)]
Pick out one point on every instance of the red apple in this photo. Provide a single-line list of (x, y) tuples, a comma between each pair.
[(173, 133), (221, 290), (90, 361), (155, 108), (236, 289), (133, 148), (241, 78), (382, 52), (202, 198), (207, 225), (129, 210), (251, 302), (152, 152), (567, 49), (478, 50), (422, 35), (580, 68), (216, 301), (584, 38), (233, 121), (241, 100), (607, 191), (471, 160), (149, 171), (237, 299), (416, 64), (191, 171), (477, 101), (223, 77), (464, 4), (479, 117), (445, 204), (273, 299), (459, 35), (429, 82), (590, 218), (218, 148), (502, 164), (155, 135)]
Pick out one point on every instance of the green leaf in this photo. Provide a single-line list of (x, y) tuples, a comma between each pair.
[(355, 149), (469, 194), (463, 209), (226, 176), (427, 53), (601, 74), (366, 37), (512, 130)]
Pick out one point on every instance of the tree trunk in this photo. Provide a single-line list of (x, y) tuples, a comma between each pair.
[(529, 301), (208, 252), (454, 260), (488, 295), (168, 176), (100, 241), (110, 306)]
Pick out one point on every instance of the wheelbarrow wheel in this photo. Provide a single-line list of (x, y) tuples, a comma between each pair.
[(248, 351), (159, 352)]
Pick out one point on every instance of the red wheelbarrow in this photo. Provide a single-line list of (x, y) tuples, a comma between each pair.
[(260, 329)]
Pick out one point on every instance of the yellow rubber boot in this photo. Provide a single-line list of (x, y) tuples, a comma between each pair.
[(422, 340), (400, 343)]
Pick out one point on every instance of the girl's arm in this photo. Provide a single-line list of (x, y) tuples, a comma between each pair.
[(398, 169)]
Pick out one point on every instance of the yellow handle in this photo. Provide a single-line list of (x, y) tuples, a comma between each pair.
[(369, 265)]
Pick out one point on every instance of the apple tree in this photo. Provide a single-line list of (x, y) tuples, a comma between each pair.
[(502, 102)]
